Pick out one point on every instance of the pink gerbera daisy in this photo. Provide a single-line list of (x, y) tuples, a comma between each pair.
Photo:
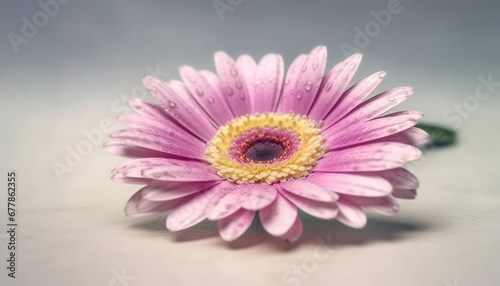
[(245, 140)]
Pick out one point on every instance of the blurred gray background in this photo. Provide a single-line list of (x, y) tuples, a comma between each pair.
[(66, 66)]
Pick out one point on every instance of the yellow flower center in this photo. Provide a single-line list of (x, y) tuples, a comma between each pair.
[(266, 148)]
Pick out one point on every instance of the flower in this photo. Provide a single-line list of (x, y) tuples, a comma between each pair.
[(245, 140)]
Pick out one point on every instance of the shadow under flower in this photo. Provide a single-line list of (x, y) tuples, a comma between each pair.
[(315, 231)]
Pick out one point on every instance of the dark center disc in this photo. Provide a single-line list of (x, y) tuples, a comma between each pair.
[(265, 150)]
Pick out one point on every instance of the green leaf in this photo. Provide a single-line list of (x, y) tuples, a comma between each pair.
[(440, 136)]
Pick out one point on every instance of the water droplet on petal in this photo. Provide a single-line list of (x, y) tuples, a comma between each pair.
[(300, 94), (154, 88), (233, 72), (329, 86), (287, 81), (229, 91), (239, 85), (172, 104), (381, 74), (242, 96), (308, 85), (200, 92), (315, 65), (352, 67), (210, 100), (391, 98), (304, 68)]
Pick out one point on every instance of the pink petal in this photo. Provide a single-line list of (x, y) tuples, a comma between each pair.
[(190, 211), (171, 173), (151, 126), (208, 97), (291, 81), (248, 69), (294, 232), (137, 205), (172, 170), (183, 110), (305, 77), (374, 106), (233, 226), (139, 162), (226, 200), (257, 196), (371, 130), (150, 110), (170, 145), (408, 194), (369, 157), (161, 127), (118, 172), (352, 184), (267, 85), (382, 205), (413, 136), (278, 217), (233, 84), (214, 81), (125, 150), (121, 178), (333, 86), (181, 89), (351, 214), (157, 113), (353, 96), (164, 190), (400, 178), (306, 189), (324, 210)]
